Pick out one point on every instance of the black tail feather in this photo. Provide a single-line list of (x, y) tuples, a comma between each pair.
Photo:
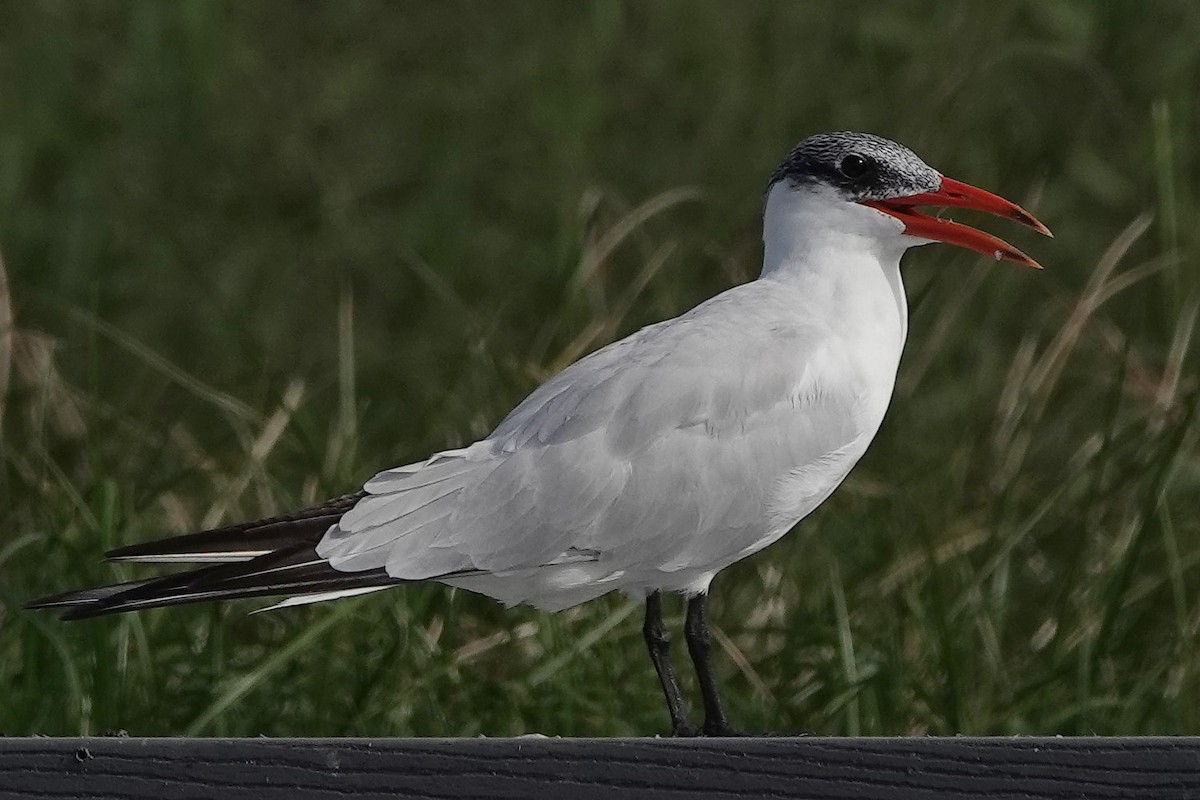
[(260, 536), (288, 565), (297, 573), (80, 597)]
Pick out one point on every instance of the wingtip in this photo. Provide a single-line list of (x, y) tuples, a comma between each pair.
[(131, 552), (69, 609), (92, 599), (68, 599)]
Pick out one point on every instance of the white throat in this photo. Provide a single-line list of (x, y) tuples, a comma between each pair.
[(813, 226), (840, 250)]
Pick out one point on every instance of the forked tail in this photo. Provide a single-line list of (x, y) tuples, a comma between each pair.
[(275, 556)]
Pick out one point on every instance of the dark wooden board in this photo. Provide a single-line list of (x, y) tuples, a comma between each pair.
[(864, 769)]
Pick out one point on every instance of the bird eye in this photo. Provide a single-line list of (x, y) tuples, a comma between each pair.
[(854, 166)]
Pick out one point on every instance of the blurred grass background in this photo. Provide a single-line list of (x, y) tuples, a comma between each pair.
[(257, 251)]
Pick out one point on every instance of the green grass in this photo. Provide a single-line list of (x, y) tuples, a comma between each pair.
[(237, 257)]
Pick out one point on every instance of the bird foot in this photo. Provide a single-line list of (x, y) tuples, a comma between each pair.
[(720, 728), (686, 730)]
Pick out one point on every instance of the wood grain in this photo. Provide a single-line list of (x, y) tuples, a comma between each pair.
[(299, 769)]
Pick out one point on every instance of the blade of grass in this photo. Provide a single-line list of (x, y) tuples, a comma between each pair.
[(246, 684), (272, 429), (581, 644), (6, 340), (238, 411), (845, 650)]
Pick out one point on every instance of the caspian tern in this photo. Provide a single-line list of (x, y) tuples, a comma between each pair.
[(651, 464)]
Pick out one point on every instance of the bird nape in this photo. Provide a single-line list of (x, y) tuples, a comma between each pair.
[(651, 464)]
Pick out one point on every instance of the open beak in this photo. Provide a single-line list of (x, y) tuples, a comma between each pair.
[(957, 193)]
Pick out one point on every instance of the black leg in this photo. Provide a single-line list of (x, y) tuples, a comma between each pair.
[(695, 630), (658, 640)]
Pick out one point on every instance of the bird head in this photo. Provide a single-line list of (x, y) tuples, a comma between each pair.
[(890, 180)]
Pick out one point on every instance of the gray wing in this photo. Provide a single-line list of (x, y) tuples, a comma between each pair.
[(674, 445)]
